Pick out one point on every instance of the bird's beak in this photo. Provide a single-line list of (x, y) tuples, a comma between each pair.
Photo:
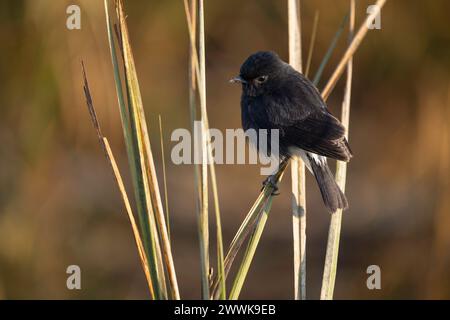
[(237, 79)]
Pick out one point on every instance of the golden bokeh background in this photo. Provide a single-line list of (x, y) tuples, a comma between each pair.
[(60, 206)]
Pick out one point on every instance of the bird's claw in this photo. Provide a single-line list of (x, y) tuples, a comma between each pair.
[(272, 183)]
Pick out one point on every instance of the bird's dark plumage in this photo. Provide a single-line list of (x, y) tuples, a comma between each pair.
[(276, 96)]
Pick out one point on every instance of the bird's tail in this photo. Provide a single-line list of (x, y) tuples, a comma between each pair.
[(332, 195)]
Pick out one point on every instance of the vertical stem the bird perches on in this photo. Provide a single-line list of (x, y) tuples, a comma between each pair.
[(330, 267), (297, 165)]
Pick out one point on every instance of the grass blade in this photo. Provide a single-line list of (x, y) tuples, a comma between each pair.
[(250, 252), (198, 70), (312, 43), (163, 159), (297, 165), (329, 52), (330, 266), (362, 31), (191, 15), (266, 193), (135, 164), (249, 224), (109, 155), (205, 140)]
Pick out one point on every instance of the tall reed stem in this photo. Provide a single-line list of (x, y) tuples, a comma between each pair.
[(297, 165)]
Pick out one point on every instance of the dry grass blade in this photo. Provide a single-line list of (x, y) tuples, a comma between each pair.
[(297, 165), (163, 159), (244, 231), (191, 15), (109, 155), (330, 267), (192, 98)]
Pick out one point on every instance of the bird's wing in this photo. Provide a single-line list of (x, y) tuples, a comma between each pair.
[(305, 123), (320, 133)]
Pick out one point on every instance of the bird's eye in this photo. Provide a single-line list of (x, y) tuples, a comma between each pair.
[(261, 79)]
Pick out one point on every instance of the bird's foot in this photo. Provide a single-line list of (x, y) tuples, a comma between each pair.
[(272, 183)]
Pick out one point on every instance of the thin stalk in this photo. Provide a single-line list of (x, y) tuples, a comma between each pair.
[(156, 218), (297, 165), (250, 252), (202, 218), (254, 222), (351, 50), (331, 259), (207, 158), (136, 166), (219, 241), (191, 15), (134, 226), (109, 155), (193, 98), (330, 50), (248, 225), (312, 43)]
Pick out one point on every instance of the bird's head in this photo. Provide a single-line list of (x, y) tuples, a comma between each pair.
[(259, 73)]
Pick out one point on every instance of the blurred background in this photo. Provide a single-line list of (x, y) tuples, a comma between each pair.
[(59, 204)]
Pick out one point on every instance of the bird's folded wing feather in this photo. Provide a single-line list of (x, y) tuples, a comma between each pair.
[(308, 127), (320, 133)]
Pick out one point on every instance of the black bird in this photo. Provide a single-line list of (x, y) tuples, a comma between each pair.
[(276, 96)]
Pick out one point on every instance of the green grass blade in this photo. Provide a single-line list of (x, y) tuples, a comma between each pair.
[(312, 43), (331, 257), (249, 253), (156, 215)]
